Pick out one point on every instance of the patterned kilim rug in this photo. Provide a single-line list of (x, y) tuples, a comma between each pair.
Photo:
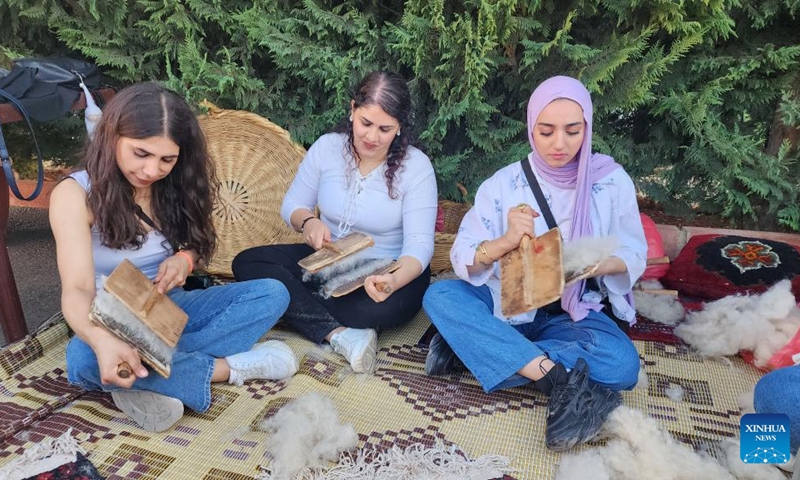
[(399, 405)]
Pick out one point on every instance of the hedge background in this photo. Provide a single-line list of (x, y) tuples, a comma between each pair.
[(698, 99)]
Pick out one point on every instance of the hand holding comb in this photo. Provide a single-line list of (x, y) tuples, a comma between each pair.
[(532, 275), (130, 307)]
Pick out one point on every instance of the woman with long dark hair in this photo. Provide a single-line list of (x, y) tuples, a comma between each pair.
[(146, 194), (365, 177)]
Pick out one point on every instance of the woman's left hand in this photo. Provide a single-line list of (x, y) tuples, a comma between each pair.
[(379, 287), (172, 273)]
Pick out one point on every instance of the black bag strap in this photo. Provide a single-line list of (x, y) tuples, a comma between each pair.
[(6, 159), (537, 192), (149, 221)]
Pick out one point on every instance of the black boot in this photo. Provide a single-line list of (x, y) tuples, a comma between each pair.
[(441, 359), (577, 409)]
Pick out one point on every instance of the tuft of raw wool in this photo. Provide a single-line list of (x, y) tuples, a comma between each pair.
[(344, 271), (638, 448), (587, 252), (643, 383), (664, 309), (674, 392), (729, 456), (306, 434), (746, 402), (588, 465), (760, 323)]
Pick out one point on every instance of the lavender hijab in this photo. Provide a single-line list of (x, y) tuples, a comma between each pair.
[(579, 175)]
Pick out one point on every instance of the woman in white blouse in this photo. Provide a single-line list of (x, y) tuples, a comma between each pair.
[(365, 177), (572, 349)]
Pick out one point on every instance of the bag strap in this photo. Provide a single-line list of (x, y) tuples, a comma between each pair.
[(537, 192), (149, 221), (6, 159)]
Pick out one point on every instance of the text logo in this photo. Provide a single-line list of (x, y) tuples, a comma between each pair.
[(764, 438)]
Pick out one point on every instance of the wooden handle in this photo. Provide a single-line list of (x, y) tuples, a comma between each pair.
[(151, 300), (330, 246), (658, 260), (659, 291), (382, 287), (124, 370)]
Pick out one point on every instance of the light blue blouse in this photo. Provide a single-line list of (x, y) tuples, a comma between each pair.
[(348, 201)]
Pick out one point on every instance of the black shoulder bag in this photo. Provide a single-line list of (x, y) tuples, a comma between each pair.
[(42, 89), (6, 159)]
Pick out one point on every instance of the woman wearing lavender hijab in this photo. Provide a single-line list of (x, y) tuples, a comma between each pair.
[(571, 349)]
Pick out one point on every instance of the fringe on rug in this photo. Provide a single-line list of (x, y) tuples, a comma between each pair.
[(43, 457), (415, 462)]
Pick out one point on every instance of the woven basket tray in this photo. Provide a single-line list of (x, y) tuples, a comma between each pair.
[(256, 161), (443, 241)]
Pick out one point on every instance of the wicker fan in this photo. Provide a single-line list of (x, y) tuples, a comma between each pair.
[(256, 161)]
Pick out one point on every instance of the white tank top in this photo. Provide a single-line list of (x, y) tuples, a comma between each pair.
[(147, 258)]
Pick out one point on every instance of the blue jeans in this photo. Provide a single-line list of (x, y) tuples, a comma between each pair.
[(495, 351), (779, 392), (223, 320)]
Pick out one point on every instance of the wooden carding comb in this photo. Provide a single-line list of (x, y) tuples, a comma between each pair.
[(532, 275), (335, 251), (129, 307)]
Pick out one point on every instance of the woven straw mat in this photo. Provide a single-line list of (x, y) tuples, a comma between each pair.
[(398, 405)]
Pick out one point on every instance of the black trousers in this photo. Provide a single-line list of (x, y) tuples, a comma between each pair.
[(314, 316)]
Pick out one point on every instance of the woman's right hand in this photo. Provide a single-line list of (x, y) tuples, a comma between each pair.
[(111, 352), (316, 233), (520, 222)]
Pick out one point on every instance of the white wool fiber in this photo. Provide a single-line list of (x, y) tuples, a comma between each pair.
[(306, 433), (760, 323), (643, 383), (729, 456), (674, 392), (587, 465), (587, 252), (664, 309), (639, 448), (746, 402)]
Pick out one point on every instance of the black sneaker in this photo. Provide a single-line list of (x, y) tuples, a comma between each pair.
[(577, 409), (441, 359)]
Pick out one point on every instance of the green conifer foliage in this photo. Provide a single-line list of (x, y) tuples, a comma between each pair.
[(698, 99)]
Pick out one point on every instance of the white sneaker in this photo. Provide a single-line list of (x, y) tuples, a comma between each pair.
[(358, 346), (150, 410), (271, 360)]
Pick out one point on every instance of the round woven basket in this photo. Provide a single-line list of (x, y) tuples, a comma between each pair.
[(443, 241), (256, 161)]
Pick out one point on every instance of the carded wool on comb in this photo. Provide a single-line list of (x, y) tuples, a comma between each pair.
[(345, 271), (587, 252), (126, 325)]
